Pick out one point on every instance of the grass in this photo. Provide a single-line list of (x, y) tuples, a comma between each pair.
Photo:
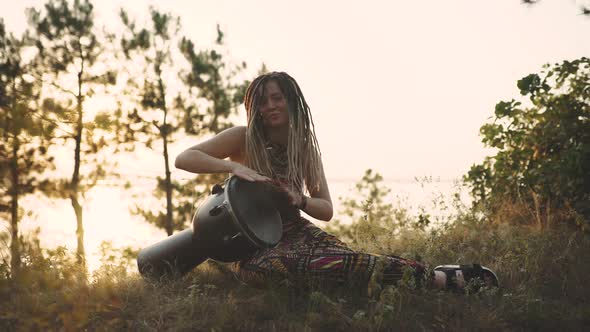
[(543, 274)]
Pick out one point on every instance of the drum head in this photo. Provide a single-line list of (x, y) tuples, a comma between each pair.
[(253, 207)]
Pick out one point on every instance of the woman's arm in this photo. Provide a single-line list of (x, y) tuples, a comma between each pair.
[(319, 205), (210, 156)]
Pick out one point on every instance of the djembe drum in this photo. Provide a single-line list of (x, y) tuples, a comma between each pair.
[(238, 218)]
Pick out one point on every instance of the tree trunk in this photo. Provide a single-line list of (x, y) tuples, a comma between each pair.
[(168, 180), (81, 254), (14, 243), (14, 191), (169, 221)]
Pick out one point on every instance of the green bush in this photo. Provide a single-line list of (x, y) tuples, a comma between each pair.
[(543, 146)]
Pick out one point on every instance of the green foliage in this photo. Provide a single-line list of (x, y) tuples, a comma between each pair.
[(543, 157), (214, 80)]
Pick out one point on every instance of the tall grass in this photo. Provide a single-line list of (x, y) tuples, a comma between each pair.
[(543, 273)]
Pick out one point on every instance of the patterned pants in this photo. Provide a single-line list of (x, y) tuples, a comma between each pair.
[(307, 252)]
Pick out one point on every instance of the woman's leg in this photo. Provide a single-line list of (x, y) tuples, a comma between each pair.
[(309, 252)]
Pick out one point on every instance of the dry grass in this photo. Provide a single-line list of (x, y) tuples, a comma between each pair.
[(542, 270)]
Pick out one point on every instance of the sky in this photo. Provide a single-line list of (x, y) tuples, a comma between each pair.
[(401, 87)]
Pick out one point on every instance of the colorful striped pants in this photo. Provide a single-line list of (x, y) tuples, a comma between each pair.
[(308, 253)]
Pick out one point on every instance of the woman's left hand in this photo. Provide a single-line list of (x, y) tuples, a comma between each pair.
[(295, 197)]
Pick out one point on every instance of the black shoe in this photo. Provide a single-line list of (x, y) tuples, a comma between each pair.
[(473, 276)]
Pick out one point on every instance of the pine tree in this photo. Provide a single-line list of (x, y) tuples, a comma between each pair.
[(72, 56), (199, 104), (26, 135)]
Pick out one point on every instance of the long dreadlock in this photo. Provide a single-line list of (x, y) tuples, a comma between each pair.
[(304, 156)]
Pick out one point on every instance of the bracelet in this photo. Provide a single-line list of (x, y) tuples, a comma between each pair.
[(303, 203)]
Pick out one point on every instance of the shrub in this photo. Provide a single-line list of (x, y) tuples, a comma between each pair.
[(543, 157)]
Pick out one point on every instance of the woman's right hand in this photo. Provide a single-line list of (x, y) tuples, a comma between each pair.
[(248, 174)]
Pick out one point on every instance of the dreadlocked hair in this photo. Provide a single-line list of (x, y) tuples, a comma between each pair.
[(304, 156)]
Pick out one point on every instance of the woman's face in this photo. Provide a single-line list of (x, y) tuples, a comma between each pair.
[(273, 107)]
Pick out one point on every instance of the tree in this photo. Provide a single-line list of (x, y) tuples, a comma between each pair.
[(543, 156), (26, 136), (370, 215), (199, 104), (72, 59)]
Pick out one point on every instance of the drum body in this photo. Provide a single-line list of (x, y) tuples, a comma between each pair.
[(236, 220), (171, 257)]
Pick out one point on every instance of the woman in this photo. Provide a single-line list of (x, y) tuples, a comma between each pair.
[(279, 145)]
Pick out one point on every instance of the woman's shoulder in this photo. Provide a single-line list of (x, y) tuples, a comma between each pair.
[(235, 133), (237, 137), (227, 143), (236, 130)]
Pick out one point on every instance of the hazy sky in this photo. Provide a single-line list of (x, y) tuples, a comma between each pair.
[(398, 86)]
